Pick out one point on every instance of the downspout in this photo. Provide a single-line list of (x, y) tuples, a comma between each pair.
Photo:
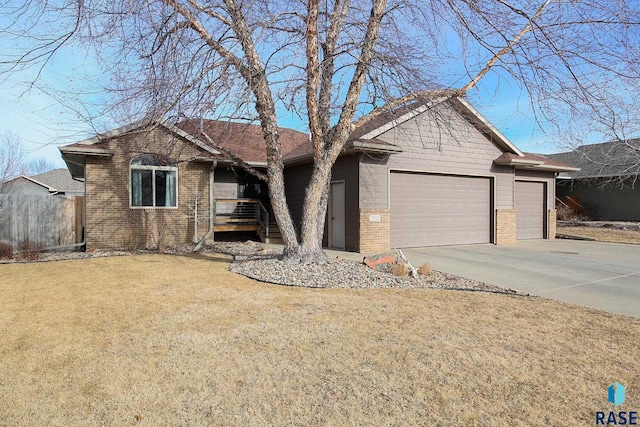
[(212, 208)]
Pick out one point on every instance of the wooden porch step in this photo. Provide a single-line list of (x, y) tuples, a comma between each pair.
[(235, 227), (275, 236)]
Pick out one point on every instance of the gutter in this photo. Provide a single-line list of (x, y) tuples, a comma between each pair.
[(534, 165), (89, 151), (212, 208)]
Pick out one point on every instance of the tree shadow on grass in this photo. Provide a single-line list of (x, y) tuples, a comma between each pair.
[(211, 257)]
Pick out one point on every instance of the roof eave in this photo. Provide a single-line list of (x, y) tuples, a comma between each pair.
[(35, 181), (370, 147), (517, 162), (87, 151), (356, 146), (554, 168), (533, 165)]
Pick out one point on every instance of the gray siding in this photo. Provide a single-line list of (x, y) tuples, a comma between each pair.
[(436, 141), (345, 169), (23, 186), (604, 203), (504, 187)]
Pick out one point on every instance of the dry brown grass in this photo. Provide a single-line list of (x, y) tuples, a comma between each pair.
[(603, 234), (425, 270), (179, 340)]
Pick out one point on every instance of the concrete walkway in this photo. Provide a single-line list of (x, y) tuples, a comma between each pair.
[(594, 274)]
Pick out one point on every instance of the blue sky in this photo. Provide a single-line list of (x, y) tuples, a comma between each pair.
[(44, 123)]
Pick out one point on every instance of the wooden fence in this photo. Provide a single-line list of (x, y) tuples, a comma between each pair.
[(49, 220)]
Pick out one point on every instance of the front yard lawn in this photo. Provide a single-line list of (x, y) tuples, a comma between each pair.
[(179, 340), (603, 234)]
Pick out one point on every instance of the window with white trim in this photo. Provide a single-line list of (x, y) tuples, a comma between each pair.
[(154, 182)]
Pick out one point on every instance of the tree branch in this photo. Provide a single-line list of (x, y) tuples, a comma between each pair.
[(509, 46)]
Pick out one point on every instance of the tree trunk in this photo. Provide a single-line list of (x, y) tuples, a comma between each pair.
[(314, 215), (281, 211)]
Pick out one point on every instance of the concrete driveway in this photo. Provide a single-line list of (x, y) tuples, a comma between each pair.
[(594, 274)]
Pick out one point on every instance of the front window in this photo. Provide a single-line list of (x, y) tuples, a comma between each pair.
[(153, 182)]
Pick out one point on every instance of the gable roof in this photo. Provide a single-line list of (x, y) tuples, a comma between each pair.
[(604, 160), (395, 117), (87, 146), (61, 180), (55, 181)]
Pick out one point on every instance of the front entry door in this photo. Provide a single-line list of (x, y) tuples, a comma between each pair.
[(336, 215)]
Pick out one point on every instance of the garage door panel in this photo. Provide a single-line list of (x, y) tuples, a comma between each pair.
[(530, 209), (439, 210)]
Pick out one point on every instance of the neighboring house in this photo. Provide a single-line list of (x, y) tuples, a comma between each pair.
[(606, 187), (425, 175), (55, 182)]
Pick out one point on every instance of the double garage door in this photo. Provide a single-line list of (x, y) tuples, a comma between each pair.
[(434, 210)]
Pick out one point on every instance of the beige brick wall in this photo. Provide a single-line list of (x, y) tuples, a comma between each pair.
[(552, 217), (505, 227), (111, 223), (374, 235)]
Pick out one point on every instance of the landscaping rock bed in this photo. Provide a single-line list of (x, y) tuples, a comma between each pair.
[(264, 264)]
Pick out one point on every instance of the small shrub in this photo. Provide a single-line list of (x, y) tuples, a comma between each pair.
[(131, 242), (6, 250), (565, 213), (425, 270), (30, 251), (400, 269)]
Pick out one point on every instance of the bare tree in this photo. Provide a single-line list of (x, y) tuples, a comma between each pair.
[(14, 161), (38, 165), (337, 64), (12, 157)]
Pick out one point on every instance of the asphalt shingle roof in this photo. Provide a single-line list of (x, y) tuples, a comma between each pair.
[(60, 179), (244, 140), (604, 160)]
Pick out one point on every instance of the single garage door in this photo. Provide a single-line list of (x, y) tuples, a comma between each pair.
[(433, 210), (530, 207)]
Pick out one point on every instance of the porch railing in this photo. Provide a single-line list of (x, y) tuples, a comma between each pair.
[(241, 215)]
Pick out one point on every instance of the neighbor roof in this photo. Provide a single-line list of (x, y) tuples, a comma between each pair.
[(60, 180), (55, 181), (603, 160)]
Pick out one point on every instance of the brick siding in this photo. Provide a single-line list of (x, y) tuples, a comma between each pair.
[(505, 227), (552, 223), (112, 223), (374, 235)]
